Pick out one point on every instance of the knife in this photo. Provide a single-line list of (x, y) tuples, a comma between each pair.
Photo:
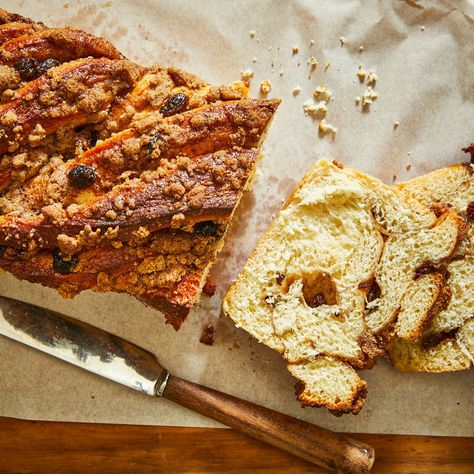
[(110, 356)]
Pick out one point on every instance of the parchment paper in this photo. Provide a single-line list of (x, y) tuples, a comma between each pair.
[(423, 55)]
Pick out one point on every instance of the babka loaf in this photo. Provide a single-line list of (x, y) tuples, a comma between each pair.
[(447, 343), (325, 285), (116, 177)]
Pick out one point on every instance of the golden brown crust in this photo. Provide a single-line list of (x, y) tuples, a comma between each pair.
[(351, 405), (115, 177), (205, 188), (70, 95), (8, 17), (9, 31), (62, 44), (164, 270)]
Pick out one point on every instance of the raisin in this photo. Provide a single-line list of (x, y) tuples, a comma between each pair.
[(68, 155), (374, 292), (209, 288), (207, 229), (207, 335), (470, 211), (152, 143), (470, 149), (280, 277), (60, 264), (82, 176), (92, 139), (27, 68), (47, 64), (318, 300), (175, 104)]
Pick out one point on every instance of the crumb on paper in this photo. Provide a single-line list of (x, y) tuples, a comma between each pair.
[(295, 50), (315, 109), (254, 60), (107, 5), (296, 90), (369, 97), (408, 167), (394, 178), (408, 153), (323, 93), (372, 78), (258, 40), (361, 48), (281, 73), (246, 76), (265, 86), (422, 28), (270, 48), (357, 100), (252, 34), (396, 125), (342, 40), (66, 5), (326, 128), (311, 43), (326, 66), (207, 334), (313, 62), (361, 74)]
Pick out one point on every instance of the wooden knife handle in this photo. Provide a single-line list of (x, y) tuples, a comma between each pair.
[(320, 446)]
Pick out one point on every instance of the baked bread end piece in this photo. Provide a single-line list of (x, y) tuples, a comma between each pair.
[(331, 384)]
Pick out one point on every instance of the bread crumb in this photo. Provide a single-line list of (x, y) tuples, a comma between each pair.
[(361, 48), (311, 43), (394, 178), (326, 66), (252, 34), (342, 40), (422, 28), (372, 78), (369, 97), (408, 153), (313, 62), (265, 86), (396, 125), (323, 93), (357, 100), (295, 49), (281, 72), (361, 74), (315, 110), (246, 76), (296, 90), (327, 128), (408, 167), (254, 60)]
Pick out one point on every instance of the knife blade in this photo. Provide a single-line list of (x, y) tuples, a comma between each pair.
[(114, 358)]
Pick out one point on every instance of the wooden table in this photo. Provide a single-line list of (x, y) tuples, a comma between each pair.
[(43, 447)]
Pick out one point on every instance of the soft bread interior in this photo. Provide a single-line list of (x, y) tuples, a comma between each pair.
[(447, 343), (308, 288)]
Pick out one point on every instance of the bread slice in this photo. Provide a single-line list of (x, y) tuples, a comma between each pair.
[(447, 344), (325, 284)]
